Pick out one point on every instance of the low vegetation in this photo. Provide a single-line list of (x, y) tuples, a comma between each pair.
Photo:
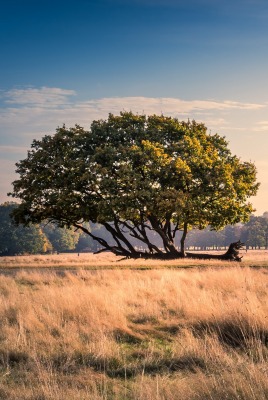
[(121, 334)]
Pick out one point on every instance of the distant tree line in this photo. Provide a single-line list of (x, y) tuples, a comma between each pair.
[(254, 234), (37, 238), (49, 238)]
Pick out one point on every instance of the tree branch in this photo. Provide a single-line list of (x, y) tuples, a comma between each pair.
[(142, 236), (168, 244)]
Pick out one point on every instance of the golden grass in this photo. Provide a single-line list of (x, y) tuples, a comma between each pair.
[(122, 334), (109, 260)]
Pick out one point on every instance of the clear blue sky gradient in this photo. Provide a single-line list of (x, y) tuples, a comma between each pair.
[(188, 50), (114, 47)]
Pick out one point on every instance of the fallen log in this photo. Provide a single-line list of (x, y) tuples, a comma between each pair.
[(232, 254)]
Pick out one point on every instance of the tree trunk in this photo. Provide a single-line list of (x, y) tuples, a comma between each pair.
[(167, 242), (184, 234)]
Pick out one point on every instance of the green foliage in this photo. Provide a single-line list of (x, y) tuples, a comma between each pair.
[(257, 232), (19, 239), (61, 239), (32, 239), (134, 174)]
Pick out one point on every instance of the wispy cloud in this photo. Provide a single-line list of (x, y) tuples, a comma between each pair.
[(44, 96), (166, 105), (261, 126), (31, 112)]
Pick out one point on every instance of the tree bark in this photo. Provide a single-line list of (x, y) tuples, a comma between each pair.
[(168, 244), (184, 234)]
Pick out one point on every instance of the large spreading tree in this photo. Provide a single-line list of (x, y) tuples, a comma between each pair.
[(139, 177)]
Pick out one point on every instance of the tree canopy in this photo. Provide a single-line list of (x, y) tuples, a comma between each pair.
[(140, 177)]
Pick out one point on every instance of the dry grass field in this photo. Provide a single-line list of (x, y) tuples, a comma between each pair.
[(133, 330), (110, 261)]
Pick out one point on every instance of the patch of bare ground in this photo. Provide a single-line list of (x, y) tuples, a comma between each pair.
[(167, 334)]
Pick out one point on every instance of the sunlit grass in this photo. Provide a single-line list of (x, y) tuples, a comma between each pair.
[(109, 260), (119, 334)]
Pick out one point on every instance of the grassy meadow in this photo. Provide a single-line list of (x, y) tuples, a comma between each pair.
[(90, 327)]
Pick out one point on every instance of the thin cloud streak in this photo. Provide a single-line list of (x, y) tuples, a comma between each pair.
[(55, 97), (262, 126), (40, 109), (44, 96), (32, 112)]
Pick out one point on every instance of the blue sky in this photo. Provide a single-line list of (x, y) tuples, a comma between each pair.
[(75, 61)]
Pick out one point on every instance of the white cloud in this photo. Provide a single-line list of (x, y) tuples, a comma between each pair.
[(175, 106), (32, 112), (56, 97), (44, 96)]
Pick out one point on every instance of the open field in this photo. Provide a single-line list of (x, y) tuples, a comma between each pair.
[(133, 334), (110, 261)]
